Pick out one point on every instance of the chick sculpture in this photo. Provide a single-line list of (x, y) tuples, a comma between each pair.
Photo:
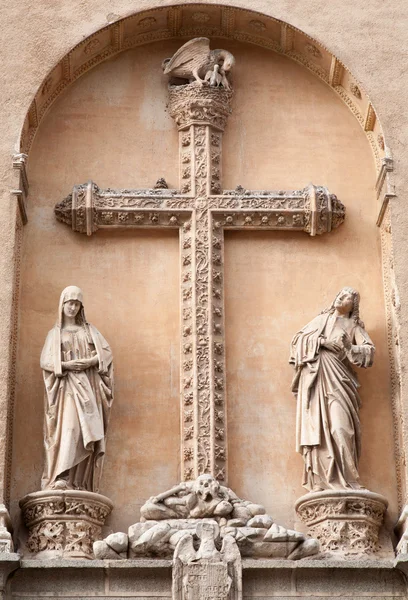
[(196, 62)]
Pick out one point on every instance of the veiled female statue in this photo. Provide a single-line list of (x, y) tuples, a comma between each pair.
[(328, 424), (78, 376)]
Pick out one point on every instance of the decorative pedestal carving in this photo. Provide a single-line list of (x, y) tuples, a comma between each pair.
[(64, 523), (344, 521)]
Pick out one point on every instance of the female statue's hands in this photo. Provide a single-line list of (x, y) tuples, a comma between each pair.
[(80, 364), (333, 346), (76, 365)]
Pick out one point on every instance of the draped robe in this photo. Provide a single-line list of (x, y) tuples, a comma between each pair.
[(327, 422), (77, 406)]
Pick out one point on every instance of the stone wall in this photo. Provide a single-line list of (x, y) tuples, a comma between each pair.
[(86, 134)]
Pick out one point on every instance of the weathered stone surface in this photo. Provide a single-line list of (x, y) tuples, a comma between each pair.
[(328, 432), (195, 62), (78, 376), (257, 309), (63, 523), (201, 504), (260, 521), (207, 572), (344, 521), (202, 210), (118, 541), (261, 579), (102, 551)]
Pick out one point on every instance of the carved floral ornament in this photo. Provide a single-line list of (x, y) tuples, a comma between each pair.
[(257, 25), (355, 90), (64, 522), (200, 17), (344, 521)]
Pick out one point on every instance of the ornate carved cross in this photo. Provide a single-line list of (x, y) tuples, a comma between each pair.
[(201, 211)]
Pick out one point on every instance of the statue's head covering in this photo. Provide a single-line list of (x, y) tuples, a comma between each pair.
[(72, 292)]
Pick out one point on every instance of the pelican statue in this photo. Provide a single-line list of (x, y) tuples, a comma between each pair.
[(196, 62)]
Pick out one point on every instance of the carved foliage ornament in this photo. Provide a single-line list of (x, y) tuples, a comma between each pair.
[(199, 105), (346, 522), (66, 523)]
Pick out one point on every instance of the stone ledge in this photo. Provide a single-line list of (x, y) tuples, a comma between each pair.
[(360, 563), (9, 557), (401, 563), (247, 563), (126, 563)]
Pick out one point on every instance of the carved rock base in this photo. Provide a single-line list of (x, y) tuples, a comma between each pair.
[(401, 531), (64, 524), (344, 521)]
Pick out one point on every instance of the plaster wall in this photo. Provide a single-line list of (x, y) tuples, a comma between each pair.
[(287, 129)]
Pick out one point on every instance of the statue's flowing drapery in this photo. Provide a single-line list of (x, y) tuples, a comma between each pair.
[(77, 406), (328, 425)]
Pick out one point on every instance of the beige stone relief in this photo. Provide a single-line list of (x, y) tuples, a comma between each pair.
[(400, 416), (189, 507), (196, 62), (66, 517), (202, 210), (6, 529), (346, 522)]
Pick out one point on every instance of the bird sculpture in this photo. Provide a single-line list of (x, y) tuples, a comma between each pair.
[(213, 76), (196, 62)]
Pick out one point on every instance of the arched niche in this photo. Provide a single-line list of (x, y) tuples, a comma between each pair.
[(214, 21), (107, 120)]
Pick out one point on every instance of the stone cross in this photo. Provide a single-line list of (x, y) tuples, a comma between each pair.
[(201, 211)]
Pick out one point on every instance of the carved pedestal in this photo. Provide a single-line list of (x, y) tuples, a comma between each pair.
[(344, 521), (64, 523)]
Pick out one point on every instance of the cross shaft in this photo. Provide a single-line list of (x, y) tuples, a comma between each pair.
[(201, 211)]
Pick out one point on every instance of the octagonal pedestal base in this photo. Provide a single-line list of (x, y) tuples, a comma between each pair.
[(344, 521), (64, 524)]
